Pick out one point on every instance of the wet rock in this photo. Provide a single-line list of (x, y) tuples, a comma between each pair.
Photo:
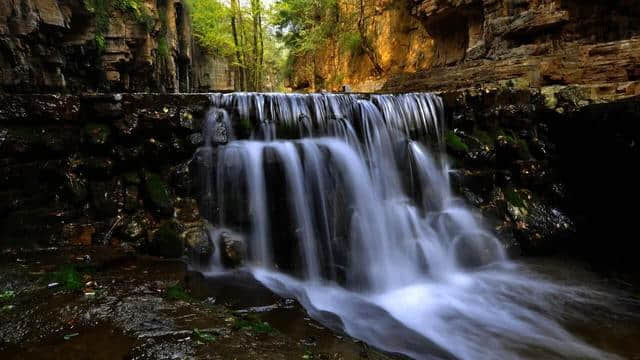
[(475, 250), (156, 151), (182, 177), (106, 197), (510, 149), (187, 210), (131, 198), (544, 229), (187, 120), (107, 109), (98, 166), (78, 234), (127, 155), (198, 242), (127, 126), (233, 249), (34, 140), (75, 187), (158, 194), (96, 134), (168, 241), (177, 145), (195, 140), (135, 226)]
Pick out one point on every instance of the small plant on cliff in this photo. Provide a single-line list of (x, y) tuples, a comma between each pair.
[(351, 41), (455, 143), (101, 9)]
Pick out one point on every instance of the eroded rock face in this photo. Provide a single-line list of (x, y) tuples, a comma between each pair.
[(429, 45), (59, 46), (527, 43)]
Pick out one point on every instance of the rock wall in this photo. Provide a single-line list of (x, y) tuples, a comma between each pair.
[(431, 45), (95, 45), (400, 40), (530, 43), (98, 169), (549, 171)]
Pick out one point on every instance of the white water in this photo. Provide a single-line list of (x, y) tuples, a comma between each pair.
[(379, 246)]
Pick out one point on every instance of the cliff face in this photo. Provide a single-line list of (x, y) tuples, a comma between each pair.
[(400, 41), (531, 43), (447, 44), (94, 45)]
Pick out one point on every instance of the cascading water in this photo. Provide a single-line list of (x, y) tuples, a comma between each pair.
[(354, 216)]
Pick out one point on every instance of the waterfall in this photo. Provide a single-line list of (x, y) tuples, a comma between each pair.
[(345, 203)]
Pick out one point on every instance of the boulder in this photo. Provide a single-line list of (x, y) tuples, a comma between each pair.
[(198, 242), (233, 249)]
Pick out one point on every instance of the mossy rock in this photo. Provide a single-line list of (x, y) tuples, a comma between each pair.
[(168, 241), (158, 193), (455, 143)]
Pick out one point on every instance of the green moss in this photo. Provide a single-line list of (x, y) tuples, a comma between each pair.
[(69, 278), (254, 325), (351, 41), (202, 336), (163, 47), (513, 197), (7, 295), (455, 143), (484, 137), (177, 292), (102, 9), (158, 194)]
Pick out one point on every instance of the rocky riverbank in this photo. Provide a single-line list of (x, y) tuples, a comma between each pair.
[(108, 303)]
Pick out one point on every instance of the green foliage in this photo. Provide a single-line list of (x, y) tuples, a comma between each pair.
[(101, 9), (351, 41), (513, 197), (254, 325), (69, 278), (455, 143), (7, 295), (305, 25), (212, 26), (177, 292), (202, 336), (163, 47)]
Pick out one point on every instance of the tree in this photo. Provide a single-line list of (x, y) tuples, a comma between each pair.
[(236, 32)]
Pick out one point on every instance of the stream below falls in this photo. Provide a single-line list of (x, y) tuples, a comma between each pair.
[(344, 203)]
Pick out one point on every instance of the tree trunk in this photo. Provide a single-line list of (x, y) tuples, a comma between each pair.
[(240, 71), (242, 41), (368, 49)]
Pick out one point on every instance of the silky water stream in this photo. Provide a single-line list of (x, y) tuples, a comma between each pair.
[(344, 203)]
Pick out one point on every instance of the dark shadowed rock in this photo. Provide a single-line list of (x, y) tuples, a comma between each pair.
[(157, 193), (168, 241)]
